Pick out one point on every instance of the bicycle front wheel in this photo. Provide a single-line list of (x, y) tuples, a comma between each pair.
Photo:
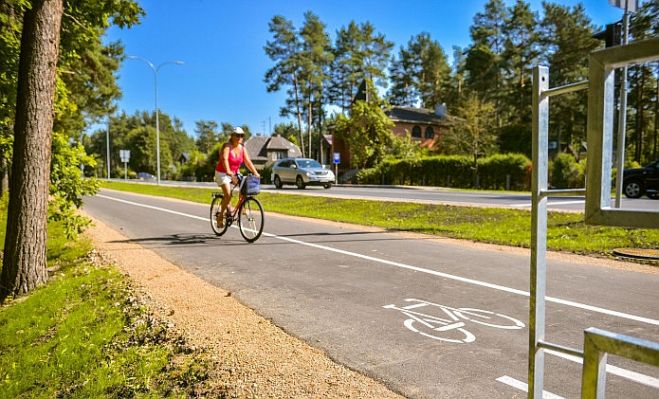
[(250, 219), (216, 206)]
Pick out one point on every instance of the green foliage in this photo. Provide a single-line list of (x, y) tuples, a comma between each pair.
[(367, 132), (85, 89), (452, 171), (84, 335), (137, 134), (474, 133), (287, 131), (421, 72), (67, 185), (566, 172), (359, 54)]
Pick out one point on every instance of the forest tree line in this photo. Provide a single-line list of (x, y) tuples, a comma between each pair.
[(490, 78), (487, 85)]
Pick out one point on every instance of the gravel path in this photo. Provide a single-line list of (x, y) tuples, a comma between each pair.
[(250, 356)]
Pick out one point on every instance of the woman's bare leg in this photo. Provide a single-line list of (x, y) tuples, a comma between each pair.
[(226, 200)]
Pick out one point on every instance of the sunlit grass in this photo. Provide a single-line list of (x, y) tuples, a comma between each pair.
[(566, 231), (82, 335)]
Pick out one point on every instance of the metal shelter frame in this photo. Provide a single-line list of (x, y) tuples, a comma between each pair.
[(600, 85)]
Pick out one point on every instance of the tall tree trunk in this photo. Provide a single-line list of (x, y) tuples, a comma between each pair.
[(309, 119), (656, 118), (24, 264), (300, 136), (639, 116), (4, 177)]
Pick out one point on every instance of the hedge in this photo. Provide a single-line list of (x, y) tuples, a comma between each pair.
[(453, 171)]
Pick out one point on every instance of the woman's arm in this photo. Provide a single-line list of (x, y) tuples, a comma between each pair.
[(250, 165), (224, 158)]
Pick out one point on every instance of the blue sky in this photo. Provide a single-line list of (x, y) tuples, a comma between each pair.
[(221, 43)]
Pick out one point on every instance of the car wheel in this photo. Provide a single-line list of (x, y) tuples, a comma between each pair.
[(328, 186), (277, 182), (633, 189), (299, 183)]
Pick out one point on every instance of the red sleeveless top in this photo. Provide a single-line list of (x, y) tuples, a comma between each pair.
[(234, 161)]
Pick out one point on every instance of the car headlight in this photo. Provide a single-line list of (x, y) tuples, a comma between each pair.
[(309, 174)]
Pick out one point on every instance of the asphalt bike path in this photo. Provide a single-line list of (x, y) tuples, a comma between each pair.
[(429, 317)]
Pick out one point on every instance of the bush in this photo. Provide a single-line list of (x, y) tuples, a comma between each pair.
[(566, 172), (452, 171), (266, 174)]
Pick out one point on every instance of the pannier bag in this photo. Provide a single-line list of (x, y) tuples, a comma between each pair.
[(251, 185)]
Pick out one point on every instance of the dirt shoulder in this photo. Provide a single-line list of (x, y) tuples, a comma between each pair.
[(250, 356)]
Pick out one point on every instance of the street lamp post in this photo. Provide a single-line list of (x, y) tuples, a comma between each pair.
[(155, 70)]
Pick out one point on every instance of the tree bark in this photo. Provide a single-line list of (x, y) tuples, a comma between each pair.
[(24, 263), (300, 136)]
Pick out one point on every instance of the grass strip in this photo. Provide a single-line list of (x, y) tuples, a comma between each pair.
[(85, 335), (565, 231)]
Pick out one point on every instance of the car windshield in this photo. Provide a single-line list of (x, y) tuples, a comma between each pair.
[(308, 163)]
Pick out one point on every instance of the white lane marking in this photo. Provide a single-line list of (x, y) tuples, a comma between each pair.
[(420, 269), (550, 203), (620, 372), (522, 386)]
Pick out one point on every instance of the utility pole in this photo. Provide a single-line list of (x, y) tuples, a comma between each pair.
[(107, 142), (630, 6)]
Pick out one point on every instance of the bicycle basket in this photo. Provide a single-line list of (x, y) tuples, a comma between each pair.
[(251, 185)]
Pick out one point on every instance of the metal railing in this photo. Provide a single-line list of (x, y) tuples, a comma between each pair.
[(597, 342)]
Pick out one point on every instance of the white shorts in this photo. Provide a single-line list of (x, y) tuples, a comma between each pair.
[(222, 178)]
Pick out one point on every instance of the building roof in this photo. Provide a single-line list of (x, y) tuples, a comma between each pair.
[(415, 115), (258, 147)]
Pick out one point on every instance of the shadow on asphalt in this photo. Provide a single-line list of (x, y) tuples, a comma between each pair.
[(330, 234), (173, 239), (202, 240)]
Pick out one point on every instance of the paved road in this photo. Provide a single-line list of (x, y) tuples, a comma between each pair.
[(444, 196), (331, 285)]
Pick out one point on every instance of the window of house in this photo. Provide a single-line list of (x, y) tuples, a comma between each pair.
[(416, 132), (430, 133), (281, 154)]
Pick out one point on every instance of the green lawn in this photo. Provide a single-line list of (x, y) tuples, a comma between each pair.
[(83, 335), (566, 231)]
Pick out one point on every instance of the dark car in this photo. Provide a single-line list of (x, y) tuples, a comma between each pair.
[(302, 172), (639, 181), (145, 176)]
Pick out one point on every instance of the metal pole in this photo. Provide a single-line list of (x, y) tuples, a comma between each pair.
[(107, 141), (538, 280), (155, 89), (155, 85), (622, 114), (125, 171)]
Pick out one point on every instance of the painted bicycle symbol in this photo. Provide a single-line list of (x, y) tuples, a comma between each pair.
[(449, 325)]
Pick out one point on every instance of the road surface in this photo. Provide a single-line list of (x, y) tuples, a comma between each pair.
[(432, 318)]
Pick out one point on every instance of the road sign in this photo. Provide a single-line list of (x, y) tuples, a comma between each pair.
[(632, 5), (124, 155), (337, 158)]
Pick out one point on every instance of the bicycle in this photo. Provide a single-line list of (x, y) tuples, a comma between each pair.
[(451, 329), (248, 212)]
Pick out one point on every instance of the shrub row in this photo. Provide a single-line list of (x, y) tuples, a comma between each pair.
[(500, 171)]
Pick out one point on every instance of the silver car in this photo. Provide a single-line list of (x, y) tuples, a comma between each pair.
[(302, 172)]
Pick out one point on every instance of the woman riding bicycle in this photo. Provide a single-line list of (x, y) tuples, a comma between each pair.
[(232, 155)]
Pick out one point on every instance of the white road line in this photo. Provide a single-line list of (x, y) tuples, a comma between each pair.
[(419, 269), (522, 386), (620, 372)]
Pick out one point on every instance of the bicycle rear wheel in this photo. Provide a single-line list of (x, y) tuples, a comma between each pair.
[(216, 206), (250, 219)]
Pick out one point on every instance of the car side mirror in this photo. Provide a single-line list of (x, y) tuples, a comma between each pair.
[(294, 166)]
